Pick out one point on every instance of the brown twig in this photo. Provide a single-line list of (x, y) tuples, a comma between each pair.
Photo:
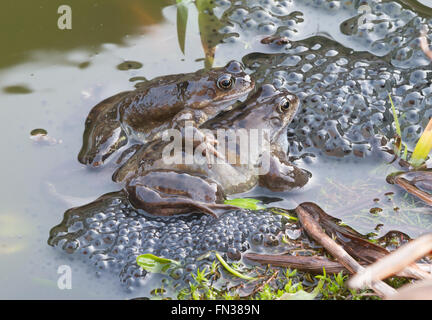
[(262, 285), (312, 264), (315, 231), (394, 262), (404, 184)]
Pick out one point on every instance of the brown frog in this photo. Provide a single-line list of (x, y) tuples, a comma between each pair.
[(162, 103), (163, 188)]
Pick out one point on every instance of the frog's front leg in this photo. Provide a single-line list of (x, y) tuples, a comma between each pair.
[(188, 123), (168, 193), (103, 134), (283, 175)]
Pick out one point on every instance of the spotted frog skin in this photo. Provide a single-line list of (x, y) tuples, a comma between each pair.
[(168, 189), (162, 103)]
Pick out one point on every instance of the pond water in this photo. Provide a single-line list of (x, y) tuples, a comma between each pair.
[(342, 71)]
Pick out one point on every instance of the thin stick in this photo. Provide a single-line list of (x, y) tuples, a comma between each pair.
[(315, 231), (394, 262), (315, 265), (404, 184)]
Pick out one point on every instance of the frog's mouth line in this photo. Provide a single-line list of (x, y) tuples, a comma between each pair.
[(233, 97)]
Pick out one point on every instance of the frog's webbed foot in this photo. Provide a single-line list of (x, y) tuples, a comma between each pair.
[(103, 134), (168, 193), (283, 175)]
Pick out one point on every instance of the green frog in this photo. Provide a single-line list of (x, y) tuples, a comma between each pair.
[(162, 103), (162, 187)]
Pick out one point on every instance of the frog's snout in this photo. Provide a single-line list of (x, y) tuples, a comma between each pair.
[(234, 67)]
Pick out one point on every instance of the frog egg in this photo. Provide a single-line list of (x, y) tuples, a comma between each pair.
[(380, 48), (267, 28), (122, 240), (331, 78), (234, 254), (294, 77), (287, 33), (86, 251), (108, 238), (261, 16), (333, 5), (239, 14), (257, 238), (412, 100), (118, 250), (249, 24), (320, 62), (418, 77), (358, 73), (306, 67), (412, 133), (270, 241), (232, 40), (403, 54), (70, 246), (101, 265), (412, 116)]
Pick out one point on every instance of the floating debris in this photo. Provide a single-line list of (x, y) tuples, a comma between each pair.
[(41, 137), (128, 65)]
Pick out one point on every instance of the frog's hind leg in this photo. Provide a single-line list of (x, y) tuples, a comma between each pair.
[(103, 134), (168, 193)]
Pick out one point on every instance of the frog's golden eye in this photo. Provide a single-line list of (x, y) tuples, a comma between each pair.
[(284, 105), (225, 82)]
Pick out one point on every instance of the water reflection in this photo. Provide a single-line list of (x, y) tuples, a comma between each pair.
[(31, 25)]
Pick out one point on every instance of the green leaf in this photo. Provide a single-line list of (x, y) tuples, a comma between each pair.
[(208, 24), (231, 270), (182, 17), (155, 264), (246, 203), (282, 213), (299, 295), (423, 146)]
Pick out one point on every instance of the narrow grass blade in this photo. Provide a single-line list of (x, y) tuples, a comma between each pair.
[(396, 120), (231, 270), (398, 130)]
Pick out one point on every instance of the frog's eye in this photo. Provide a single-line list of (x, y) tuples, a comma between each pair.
[(284, 105), (225, 82)]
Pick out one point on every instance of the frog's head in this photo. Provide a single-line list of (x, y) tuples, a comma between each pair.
[(219, 86), (268, 108)]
